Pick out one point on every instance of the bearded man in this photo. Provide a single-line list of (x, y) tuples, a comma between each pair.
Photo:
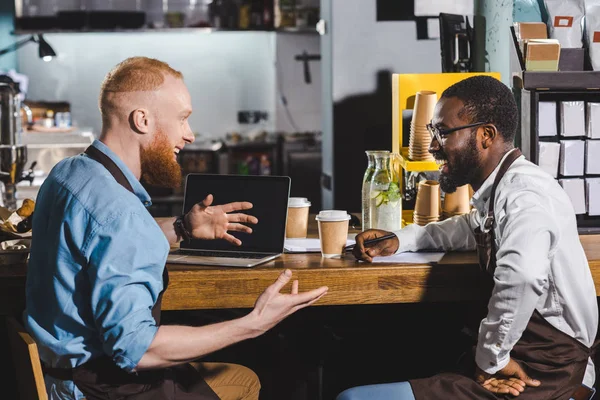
[(97, 267), (536, 340)]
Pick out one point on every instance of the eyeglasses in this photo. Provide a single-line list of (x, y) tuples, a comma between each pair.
[(441, 134)]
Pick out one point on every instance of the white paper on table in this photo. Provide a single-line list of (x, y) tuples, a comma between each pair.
[(411, 258), (309, 245)]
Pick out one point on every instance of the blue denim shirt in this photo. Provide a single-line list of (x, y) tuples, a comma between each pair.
[(95, 269)]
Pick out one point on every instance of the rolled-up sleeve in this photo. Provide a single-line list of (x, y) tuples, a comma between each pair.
[(125, 268), (451, 234), (522, 272)]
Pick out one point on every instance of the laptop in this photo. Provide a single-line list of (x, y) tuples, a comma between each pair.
[(269, 196)]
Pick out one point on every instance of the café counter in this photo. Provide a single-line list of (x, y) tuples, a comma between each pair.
[(455, 278)]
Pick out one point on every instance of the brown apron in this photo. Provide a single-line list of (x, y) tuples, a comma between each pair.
[(101, 379), (545, 353)]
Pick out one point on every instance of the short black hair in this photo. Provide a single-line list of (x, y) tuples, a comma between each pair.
[(488, 100)]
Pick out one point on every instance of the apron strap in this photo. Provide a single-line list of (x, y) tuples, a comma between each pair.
[(110, 165), (512, 156)]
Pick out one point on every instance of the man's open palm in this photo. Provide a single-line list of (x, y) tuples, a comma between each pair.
[(206, 221), (272, 306)]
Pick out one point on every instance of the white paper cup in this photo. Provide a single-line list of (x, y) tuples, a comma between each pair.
[(333, 232), (297, 217)]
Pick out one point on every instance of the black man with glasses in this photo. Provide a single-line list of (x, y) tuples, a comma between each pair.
[(536, 340)]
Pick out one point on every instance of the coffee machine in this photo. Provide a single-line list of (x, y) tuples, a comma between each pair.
[(13, 154)]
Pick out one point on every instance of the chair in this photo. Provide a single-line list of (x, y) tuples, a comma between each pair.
[(26, 360)]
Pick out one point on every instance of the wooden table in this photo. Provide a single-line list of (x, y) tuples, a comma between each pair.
[(455, 278)]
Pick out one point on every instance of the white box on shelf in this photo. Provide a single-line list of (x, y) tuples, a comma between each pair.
[(575, 188), (572, 153), (547, 119), (593, 120), (549, 156), (572, 118), (592, 186), (592, 156)]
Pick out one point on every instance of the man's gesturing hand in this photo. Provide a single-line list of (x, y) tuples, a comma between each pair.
[(511, 379), (213, 222), (384, 248), (272, 307)]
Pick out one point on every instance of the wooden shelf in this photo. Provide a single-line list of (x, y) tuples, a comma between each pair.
[(310, 31), (416, 166)]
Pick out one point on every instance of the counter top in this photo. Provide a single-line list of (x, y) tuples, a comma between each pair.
[(455, 278)]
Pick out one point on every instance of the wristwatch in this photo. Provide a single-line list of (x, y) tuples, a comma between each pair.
[(180, 229)]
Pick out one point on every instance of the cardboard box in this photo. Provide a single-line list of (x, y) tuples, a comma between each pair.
[(592, 157), (572, 153), (572, 118), (547, 119), (531, 30), (542, 54), (592, 186), (593, 120), (549, 157), (525, 31), (575, 188)]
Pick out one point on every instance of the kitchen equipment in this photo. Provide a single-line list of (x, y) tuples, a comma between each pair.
[(13, 154)]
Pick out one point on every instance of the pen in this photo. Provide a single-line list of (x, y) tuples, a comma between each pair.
[(372, 241)]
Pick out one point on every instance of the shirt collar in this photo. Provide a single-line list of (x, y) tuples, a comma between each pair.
[(481, 196), (138, 189)]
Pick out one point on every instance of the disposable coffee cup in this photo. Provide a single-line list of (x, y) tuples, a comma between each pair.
[(297, 217), (428, 199), (333, 232)]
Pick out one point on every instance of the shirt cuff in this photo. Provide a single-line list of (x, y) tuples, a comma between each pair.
[(407, 238), (489, 360)]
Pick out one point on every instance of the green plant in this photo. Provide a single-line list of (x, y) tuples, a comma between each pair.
[(391, 195)]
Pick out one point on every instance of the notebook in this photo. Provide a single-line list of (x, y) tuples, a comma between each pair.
[(269, 196)]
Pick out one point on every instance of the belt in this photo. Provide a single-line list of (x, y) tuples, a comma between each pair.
[(583, 393)]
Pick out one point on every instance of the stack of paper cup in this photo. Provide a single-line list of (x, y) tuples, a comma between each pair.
[(333, 232), (297, 217), (427, 206), (457, 203), (420, 139)]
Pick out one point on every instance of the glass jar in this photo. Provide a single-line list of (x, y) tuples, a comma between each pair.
[(384, 193), (366, 188)]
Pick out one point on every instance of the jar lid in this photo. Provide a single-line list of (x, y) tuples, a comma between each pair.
[(298, 202), (333, 216)]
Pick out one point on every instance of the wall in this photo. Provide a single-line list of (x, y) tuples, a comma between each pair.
[(365, 53), (224, 71), (363, 46), (303, 99), (7, 61)]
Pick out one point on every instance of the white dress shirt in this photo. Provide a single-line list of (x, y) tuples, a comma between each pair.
[(540, 261)]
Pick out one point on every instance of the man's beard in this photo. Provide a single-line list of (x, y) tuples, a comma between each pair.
[(158, 166), (463, 169)]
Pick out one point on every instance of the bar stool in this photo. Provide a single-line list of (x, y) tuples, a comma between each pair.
[(26, 360)]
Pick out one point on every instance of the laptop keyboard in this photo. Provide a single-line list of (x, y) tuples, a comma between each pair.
[(206, 253)]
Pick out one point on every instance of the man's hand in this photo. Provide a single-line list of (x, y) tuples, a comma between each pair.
[(385, 248), (511, 379), (272, 307), (212, 222)]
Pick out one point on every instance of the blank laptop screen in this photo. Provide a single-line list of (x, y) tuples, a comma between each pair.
[(269, 196)]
